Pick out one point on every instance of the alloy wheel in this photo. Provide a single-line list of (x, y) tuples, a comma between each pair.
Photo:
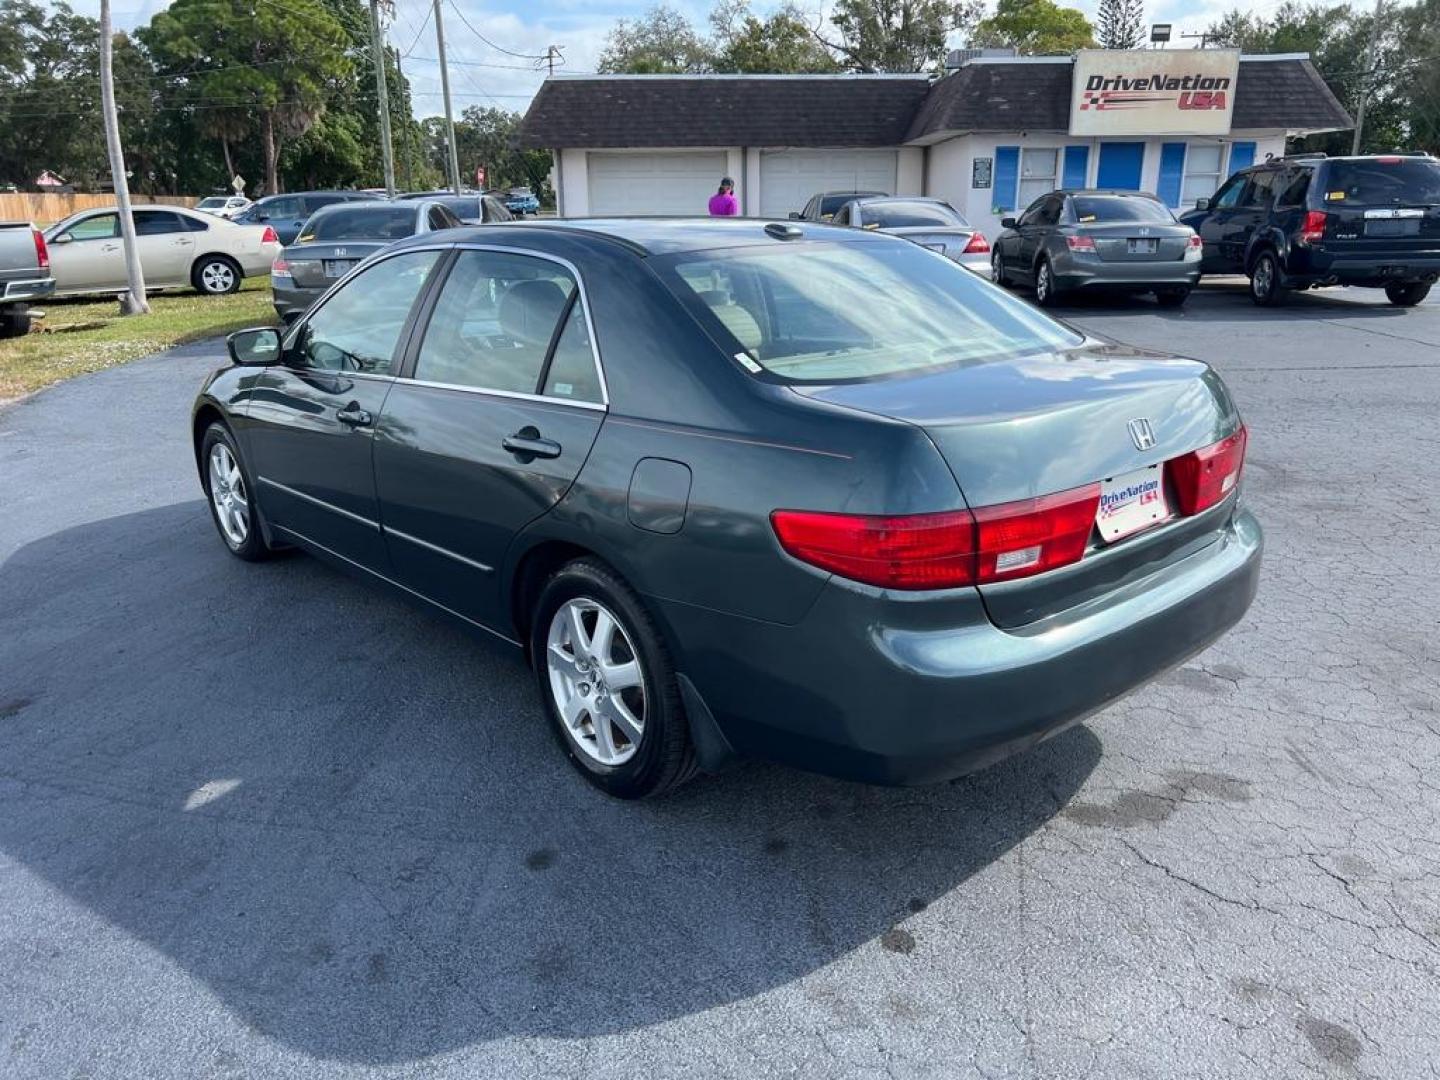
[(596, 680), (228, 495), (1264, 278), (217, 277), (1042, 283)]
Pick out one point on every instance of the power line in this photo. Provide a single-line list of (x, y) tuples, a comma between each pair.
[(487, 41)]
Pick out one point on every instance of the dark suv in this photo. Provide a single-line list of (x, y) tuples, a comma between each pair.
[(1305, 221), (286, 213)]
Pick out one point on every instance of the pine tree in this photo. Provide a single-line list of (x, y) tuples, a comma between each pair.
[(1120, 23)]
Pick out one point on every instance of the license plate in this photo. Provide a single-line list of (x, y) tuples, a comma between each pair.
[(1143, 247), (1392, 227), (1131, 501), (338, 267)]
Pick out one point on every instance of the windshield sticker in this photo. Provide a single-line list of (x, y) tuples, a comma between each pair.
[(1334, 196), (745, 361)]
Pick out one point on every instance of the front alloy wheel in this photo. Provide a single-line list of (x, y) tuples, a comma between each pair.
[(597, 681), (228, 496)]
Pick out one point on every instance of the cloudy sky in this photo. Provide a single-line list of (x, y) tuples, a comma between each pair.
[(486, 73)]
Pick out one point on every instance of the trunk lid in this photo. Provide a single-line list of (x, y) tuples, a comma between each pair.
[(1027, 426), (319, 264), (1138, 241), (947, 240)]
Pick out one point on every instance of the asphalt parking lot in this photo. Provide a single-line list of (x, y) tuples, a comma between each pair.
[(263, 821)]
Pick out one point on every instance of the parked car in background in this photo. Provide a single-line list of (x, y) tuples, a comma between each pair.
[(178, 248), (1126, 241), (337, 238), (794, 492), (521, 201), (1307, 221), (931, 223), (226, 206), (472, 208), (24, 275), (822, 207), (286, 213)]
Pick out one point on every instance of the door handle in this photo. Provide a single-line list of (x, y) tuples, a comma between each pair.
[(527, 444), (355, 416)]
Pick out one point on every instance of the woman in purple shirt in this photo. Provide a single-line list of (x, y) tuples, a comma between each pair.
[(723, 203)]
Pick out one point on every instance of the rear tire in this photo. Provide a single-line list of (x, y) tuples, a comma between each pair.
[(1266, 288), (606, 680), (1409, 294), (1047, 293), (1173, 298), (14, 324), (216, 275)]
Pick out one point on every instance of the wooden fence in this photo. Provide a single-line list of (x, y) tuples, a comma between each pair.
[(51, 207)]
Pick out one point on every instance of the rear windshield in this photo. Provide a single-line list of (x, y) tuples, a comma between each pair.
[(205, 203), (362, 223), (846, 312), (462, 206), (1383, 182), (1100, 209), (900, 215), (830, 204)]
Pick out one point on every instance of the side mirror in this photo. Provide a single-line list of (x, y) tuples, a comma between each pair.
[(1202, 204), (1007, 223), (262, 218), (63, 238), (254, 348), (795, 215)]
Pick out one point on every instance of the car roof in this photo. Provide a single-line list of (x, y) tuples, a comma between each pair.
[(871, 200), (664, 236), (1121, 192)]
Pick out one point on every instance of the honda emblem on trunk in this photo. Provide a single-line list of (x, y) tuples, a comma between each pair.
[(1141, 433)]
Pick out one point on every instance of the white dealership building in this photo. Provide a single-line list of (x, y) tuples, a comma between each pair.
[(988, 137)]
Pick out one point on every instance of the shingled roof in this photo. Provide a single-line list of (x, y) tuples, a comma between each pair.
[(1034, 95), (721, 110), (1279, 93)]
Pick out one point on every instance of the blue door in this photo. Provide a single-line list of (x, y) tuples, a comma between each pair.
[(1120, 165)]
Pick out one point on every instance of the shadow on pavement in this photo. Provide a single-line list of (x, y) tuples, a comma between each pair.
[(1230, 302), (345, 818)]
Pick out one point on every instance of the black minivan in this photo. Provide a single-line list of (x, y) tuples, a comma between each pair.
[(1309, 220)]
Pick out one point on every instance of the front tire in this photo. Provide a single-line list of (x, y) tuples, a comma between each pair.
[(216, 275), (1047, 293), (231, 496), (1266, 288), (997, 269), (608, 683), (1409, 294)]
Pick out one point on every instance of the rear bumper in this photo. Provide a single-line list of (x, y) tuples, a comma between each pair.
[(1309, 267), (28, 289), (1092, 273), (910, 688), (292, 301)]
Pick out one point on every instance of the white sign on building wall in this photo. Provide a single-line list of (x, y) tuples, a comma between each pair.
[(1153, 91)]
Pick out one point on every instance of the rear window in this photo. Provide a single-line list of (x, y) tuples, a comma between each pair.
[(900, 215), (850, 312), (362, 223), (207, 204), (1101, 209), (1382, 182), (830, 204)]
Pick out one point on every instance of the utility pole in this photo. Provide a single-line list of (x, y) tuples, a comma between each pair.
[(1205, 37), (406, 149), (552, 54), (449, 113), (132, 302), (382, 92), (1366, 77)]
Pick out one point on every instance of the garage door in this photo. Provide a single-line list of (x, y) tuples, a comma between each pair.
[(669, 183), (789, 177)]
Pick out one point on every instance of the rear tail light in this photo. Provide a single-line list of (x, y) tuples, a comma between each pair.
[(1204, 477), (944, 550), (1080, 243), (280, 268), (1195, 242), (269, 236), (978, 245), (42, 253), (1313, 230)]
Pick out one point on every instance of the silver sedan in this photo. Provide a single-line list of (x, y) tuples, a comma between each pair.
[(931, 223), (1114, 240)]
